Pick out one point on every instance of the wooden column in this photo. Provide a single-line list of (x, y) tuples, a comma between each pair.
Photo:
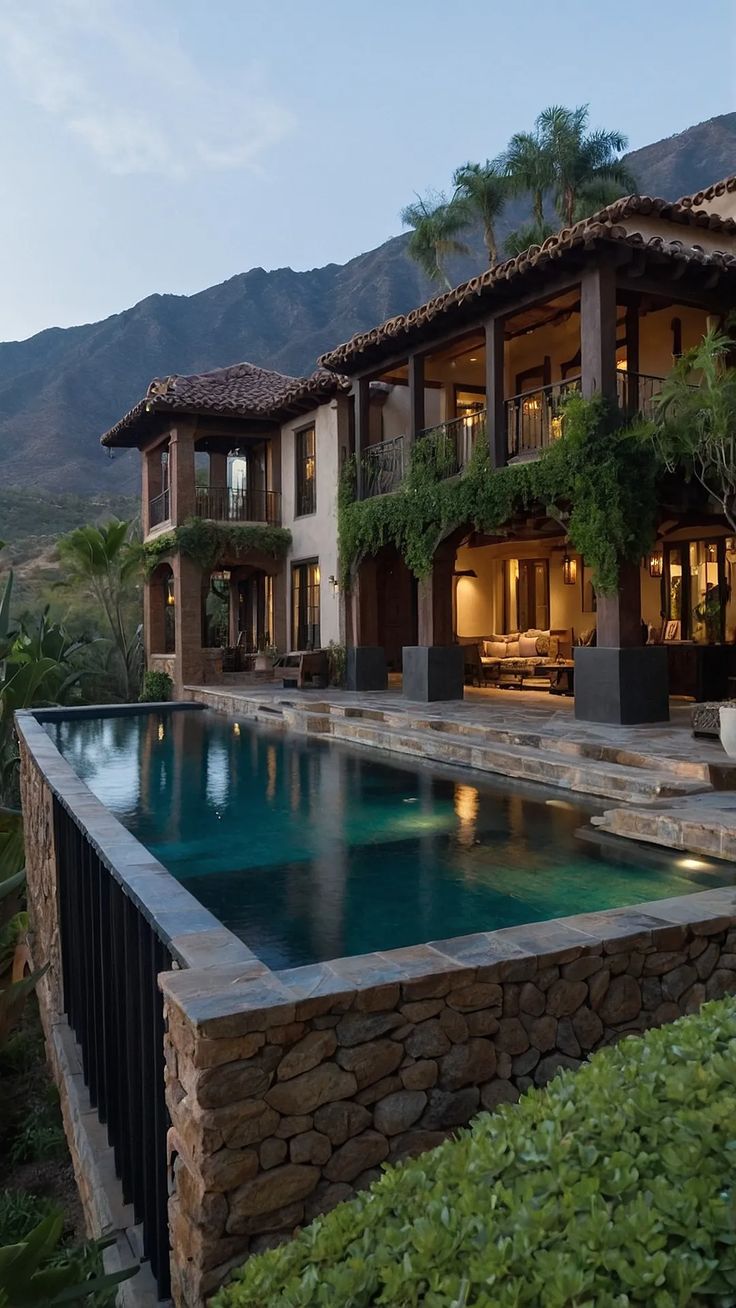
[(618, 623), (361, 391), (495, 383), (435, 601), (218, 470), (417, 420), (632, 358), (598, 331), (181, 456)]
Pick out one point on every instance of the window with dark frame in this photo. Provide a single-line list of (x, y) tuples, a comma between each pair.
[(305, 625), (306, 472)]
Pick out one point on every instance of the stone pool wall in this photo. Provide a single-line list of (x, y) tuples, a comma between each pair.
[(287, 1091)]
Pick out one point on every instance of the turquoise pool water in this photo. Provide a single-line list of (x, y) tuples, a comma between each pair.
[(309, 850)]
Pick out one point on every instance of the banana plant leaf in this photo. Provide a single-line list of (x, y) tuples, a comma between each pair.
[(26, 1283)]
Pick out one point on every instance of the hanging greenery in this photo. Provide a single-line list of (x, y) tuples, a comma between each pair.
[(207, 543), (598, 481)]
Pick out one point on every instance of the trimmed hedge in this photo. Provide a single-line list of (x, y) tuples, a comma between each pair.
[(611, 1186)]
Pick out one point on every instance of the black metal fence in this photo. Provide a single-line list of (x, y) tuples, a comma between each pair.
[(225, 504), (111, 956), (159, 509)]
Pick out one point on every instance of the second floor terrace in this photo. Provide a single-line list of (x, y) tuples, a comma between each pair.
[(606, 307)]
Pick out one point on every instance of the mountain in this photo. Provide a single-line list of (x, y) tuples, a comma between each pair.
[(61, 388)]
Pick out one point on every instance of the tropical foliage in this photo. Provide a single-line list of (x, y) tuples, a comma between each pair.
[(612, 1186), (695, 422), (157, 687), (437, 223), (560, 163), (32, 1273), (598, 481), (105, 563), (206, 543)]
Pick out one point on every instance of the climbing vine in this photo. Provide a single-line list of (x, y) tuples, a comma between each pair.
[(209, 542), (598, 481)]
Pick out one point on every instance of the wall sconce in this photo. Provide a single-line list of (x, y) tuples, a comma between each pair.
[(656, 564), (569, 570), (335, 584), (465, 572), (170, 599)]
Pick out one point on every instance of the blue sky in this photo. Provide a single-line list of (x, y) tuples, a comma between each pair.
[(165, 146)]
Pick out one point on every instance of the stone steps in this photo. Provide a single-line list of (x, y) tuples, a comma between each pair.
[(529, 758)]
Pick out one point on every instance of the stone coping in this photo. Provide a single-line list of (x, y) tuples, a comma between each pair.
[(194, 936), (226, 987), (233, 1001)]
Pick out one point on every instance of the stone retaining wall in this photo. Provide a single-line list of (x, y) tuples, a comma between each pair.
[(287, 1091)]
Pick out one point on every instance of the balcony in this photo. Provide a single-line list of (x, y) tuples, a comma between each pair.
[(534, 419), (382, 468), (224, 504), (159, 509)]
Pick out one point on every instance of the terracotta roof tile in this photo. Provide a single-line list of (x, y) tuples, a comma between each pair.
[(604, 225), (242, 390), (712, 192)]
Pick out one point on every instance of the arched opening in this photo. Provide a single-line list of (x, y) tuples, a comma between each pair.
[(163, 610)]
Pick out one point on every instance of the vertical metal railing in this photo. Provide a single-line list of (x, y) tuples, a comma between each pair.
[(111, 956), (158, 508), (383, 467), (535, 419), (449, 446), (228, 504)]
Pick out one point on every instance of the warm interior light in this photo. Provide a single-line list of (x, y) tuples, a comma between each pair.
[(170, 591), (316, 574), (621, 365), (236, 728), (569, 570), (473, 358), (656, 564), (556, 428)]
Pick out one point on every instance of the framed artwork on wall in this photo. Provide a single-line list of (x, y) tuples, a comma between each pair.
[(672, 630)]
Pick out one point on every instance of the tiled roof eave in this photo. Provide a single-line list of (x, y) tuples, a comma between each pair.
[(584, 236)]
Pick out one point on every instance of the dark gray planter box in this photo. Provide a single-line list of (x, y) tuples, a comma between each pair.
[(366, 668), (433, 672), (621, 686)]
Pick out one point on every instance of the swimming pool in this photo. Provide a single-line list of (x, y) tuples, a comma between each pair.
[(310, 850)]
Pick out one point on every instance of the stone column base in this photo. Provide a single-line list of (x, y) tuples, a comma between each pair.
[(366, 668), (621, 686), (433, 672)]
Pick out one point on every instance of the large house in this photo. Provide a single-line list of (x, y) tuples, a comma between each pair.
[(603, 307)]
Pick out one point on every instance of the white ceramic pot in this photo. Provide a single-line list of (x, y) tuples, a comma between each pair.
[(263, 663), (727, 716)]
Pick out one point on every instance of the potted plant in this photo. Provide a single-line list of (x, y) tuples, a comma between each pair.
[(727, 715), (263, 661)]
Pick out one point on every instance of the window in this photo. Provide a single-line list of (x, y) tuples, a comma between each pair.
[(527, 595), (306, 468), (305, 633), (697, 589)]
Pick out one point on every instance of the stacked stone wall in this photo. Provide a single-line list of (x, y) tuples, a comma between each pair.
[(288, 1104)]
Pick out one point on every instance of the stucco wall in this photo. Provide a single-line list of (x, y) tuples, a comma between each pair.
[(314, 536)]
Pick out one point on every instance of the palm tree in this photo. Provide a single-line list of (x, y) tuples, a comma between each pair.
[(484, 189), (528, 168), (104, 563), (437, 224), (580, 159)]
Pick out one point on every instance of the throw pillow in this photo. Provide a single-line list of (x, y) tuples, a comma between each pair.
[(527, 647), (554, 647), (543, 642)]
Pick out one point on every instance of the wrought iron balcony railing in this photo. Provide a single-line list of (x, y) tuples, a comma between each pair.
[(382, 468), (449, 446), (159, 509), (223, 504), (535, 419)]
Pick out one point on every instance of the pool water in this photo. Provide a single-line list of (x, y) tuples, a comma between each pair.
[(310, 850)]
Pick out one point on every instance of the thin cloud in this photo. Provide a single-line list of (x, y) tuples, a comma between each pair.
[(132, 96)]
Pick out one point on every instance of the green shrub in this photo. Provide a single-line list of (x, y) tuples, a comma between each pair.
[(612, 1186), (157, 687)]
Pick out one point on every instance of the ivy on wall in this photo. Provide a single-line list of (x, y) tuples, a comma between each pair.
[(207, 543), (598, 481)]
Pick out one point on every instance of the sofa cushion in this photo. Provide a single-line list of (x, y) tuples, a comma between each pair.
[(494, 649), (527, 646), (512, 649)]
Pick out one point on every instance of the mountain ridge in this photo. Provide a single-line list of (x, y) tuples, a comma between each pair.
[(61, 388)]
